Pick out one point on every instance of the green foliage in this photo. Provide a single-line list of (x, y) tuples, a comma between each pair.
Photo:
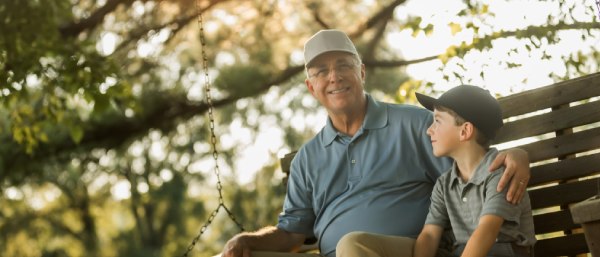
[(384, 81), (251, 78), (44, 74)]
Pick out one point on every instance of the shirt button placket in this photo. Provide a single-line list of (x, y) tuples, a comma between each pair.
[(350, 150), (353, 172)]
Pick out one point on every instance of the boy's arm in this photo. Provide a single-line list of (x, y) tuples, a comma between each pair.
[(428, 241), (484, 236)]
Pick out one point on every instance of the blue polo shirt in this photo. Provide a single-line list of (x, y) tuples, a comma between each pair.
[(379, 181)]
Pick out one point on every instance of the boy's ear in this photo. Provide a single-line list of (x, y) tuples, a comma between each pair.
[(467, 132)]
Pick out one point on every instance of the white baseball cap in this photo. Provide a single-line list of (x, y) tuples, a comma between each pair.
[(326, 41)]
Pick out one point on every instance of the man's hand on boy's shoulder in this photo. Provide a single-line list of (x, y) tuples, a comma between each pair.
[(516, 162)]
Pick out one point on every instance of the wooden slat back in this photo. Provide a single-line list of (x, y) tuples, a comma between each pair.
[(566, 169), (568, 245), (564, 118), (560, 124), (563, 145), (554, 221), (550, 96), (563, 193)]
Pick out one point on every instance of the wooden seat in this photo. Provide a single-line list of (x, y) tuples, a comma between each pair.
[(559, 126)]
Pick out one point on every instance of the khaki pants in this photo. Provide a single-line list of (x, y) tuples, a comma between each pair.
[(362, 244), (359, 244), (276, 254)]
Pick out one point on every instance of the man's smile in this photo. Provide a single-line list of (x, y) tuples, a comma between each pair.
[(337, 91)]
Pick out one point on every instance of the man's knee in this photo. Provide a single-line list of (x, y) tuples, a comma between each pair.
[(369, 244), (352, 239)]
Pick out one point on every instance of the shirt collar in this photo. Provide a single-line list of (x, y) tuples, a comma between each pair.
[(375, 118), (481, 172)]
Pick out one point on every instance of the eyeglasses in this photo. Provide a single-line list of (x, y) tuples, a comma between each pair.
[(341, 69)]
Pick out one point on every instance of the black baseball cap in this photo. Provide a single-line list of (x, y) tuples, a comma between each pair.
[(474, 104)]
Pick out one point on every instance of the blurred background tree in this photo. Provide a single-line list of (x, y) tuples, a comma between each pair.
[(104, 141)]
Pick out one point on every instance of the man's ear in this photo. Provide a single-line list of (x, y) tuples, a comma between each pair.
[(309, 85), (363, 72), (467, 131)]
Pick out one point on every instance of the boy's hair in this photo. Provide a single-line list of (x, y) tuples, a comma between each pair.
[(480, 138)]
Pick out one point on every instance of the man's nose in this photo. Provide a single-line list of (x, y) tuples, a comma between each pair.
[(333, 74)]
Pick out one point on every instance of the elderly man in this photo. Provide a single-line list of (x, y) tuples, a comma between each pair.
[(370, 169)]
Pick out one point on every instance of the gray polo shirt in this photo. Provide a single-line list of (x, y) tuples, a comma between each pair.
[(460, 205), (379, 180)]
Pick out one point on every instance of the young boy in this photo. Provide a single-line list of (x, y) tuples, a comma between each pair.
[(466, 118)]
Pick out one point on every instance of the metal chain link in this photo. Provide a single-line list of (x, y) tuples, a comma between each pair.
[(598, 6), (213, 140)]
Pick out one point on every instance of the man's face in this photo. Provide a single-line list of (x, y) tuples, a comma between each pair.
[(336, 80)]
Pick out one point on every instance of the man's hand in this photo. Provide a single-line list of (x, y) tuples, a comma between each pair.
[(517, 172), (270, 239), (236, 247)]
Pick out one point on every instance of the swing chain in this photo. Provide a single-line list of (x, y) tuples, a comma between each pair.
[(598, 6), (213, 141), (213, 138)]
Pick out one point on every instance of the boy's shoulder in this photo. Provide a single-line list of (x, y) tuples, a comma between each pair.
[(483, 171), (446, 178)]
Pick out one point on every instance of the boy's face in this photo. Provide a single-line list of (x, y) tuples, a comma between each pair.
[(444, 133)]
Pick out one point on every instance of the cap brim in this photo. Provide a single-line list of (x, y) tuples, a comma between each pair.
[(308, 62), (427, 101)]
